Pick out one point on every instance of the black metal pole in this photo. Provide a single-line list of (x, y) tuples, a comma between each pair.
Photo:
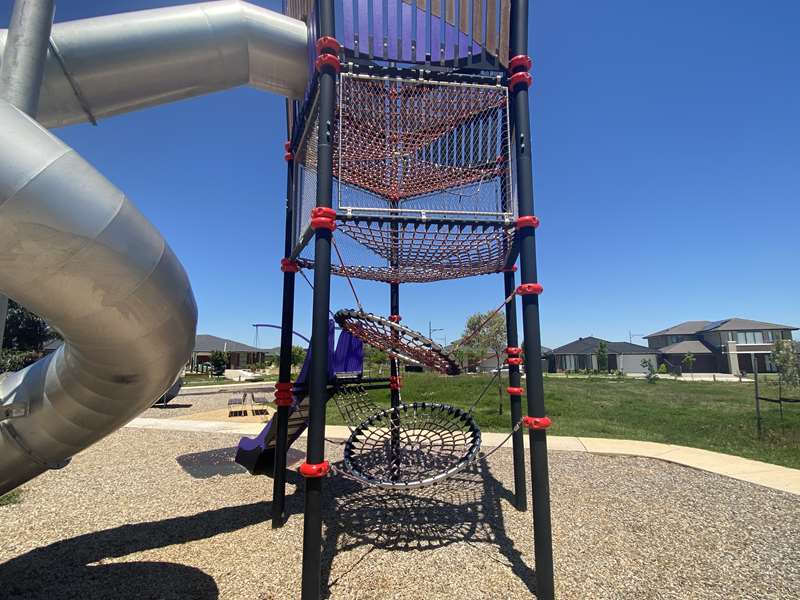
[(517, 440), (543, 542), (285, 365), (394, 448), (318, 382)]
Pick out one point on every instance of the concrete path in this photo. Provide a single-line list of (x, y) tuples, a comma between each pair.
[(189, 390), (743, 469)]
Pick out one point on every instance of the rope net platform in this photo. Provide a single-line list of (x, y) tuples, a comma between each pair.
[(422, 180), (412, 445), (396, 340)]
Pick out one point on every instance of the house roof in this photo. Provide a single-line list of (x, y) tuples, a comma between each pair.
[(733, 324), (686, 346), (589, 345), (737, 324), (685, 328), (210, 343)]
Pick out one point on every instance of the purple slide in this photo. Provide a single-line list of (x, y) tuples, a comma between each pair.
[(257, 455)]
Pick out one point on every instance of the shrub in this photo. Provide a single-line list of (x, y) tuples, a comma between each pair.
[(219, 362), (651, 374), (662, 369)]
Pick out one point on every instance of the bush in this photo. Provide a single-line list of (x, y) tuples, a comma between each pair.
[(219, 362), (14, 360), (651, 374), (662, 369)]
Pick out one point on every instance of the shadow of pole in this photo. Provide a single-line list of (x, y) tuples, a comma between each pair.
[(65, 569)]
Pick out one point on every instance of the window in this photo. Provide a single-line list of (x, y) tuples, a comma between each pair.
[(750, 337)]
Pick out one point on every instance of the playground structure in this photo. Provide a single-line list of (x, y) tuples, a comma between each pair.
[(409, 158)]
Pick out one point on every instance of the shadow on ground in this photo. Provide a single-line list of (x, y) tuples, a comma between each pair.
[(69, 569), (465, 508)]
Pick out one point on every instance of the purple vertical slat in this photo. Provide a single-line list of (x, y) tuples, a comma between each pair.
[(393, 31), (348, 24), (422, 37), (377, 28), (363, 26), (409, 33)]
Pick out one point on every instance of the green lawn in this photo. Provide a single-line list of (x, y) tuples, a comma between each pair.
[(12, 497), (205, 380), (715, 416)]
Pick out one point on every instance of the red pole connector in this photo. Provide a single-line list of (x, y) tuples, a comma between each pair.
[(283, 393), (323, 217), (514, 360), (330, 60), (519, 78), (511, 269), (513, 350), (529, 221), (395, 318), (526, 289), (287, 148), (315, 470), (395, 382), (515, 391), (328, 43), (289, 266), (536, 422)]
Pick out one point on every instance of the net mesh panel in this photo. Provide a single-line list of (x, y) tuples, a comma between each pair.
[(396, 340), (423, 180), (354, 404), (412, 445)]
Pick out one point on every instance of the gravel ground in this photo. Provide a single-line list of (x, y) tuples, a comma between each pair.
[(202, 401), (157, 514)]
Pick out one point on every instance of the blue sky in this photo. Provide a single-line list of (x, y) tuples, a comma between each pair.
[(667, 155)]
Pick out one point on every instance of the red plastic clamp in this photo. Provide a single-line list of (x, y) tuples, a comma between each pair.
[(518, 78), (511, 269), (526, 289), (287, 156), (315, 470), (289, 266), (329, 44), (521, 62), (513, 350), (515, 391), (287, 147), (330, 60), (395, 318), (395, 382), (528, 221), (514, 360), (323, 218), (536, 422), (283, 393)]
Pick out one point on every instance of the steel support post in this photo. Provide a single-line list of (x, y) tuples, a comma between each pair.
[(285, 365), (543, 543), (22, 70), (517, 440), (318, 392), (394, 458)]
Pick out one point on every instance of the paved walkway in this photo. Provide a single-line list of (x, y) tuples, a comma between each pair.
[(743, 469)]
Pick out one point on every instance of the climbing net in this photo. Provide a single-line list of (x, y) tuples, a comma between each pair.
[(422, 179), (412, 445), (396, 340)]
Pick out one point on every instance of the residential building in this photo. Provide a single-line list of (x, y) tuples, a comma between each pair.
[(720, 346), (239, 355), (582, 354)]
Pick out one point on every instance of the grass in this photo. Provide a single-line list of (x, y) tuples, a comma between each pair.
[(205, 380), (713, 416), (12, 497)]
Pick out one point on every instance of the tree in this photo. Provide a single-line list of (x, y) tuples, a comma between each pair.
[(26, 331), (486, 332), (219, 362), (602, 357), (298, 355), (688, 361), (651, 374), (786, 359)]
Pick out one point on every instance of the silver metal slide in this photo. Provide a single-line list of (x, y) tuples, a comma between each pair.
[(76, 251)]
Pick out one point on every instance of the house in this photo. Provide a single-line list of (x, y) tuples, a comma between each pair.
[(720, 346), (582, 354), (239, 355)]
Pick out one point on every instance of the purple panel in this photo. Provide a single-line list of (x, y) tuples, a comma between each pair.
[(394, 30), (408, 18), (363, 25), (436, 39), (348, 24), (377, 28)]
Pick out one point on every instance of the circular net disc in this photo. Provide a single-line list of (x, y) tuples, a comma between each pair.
[(396, 340), (412, 445)]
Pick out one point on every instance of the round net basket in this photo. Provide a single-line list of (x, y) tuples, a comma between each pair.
[(412, 445), (396, 340)]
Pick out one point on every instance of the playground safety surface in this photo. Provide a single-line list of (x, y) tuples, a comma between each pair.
[(167, 514)]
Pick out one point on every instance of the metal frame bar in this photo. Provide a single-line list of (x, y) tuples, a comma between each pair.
[(543, 539), (318, 382)]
